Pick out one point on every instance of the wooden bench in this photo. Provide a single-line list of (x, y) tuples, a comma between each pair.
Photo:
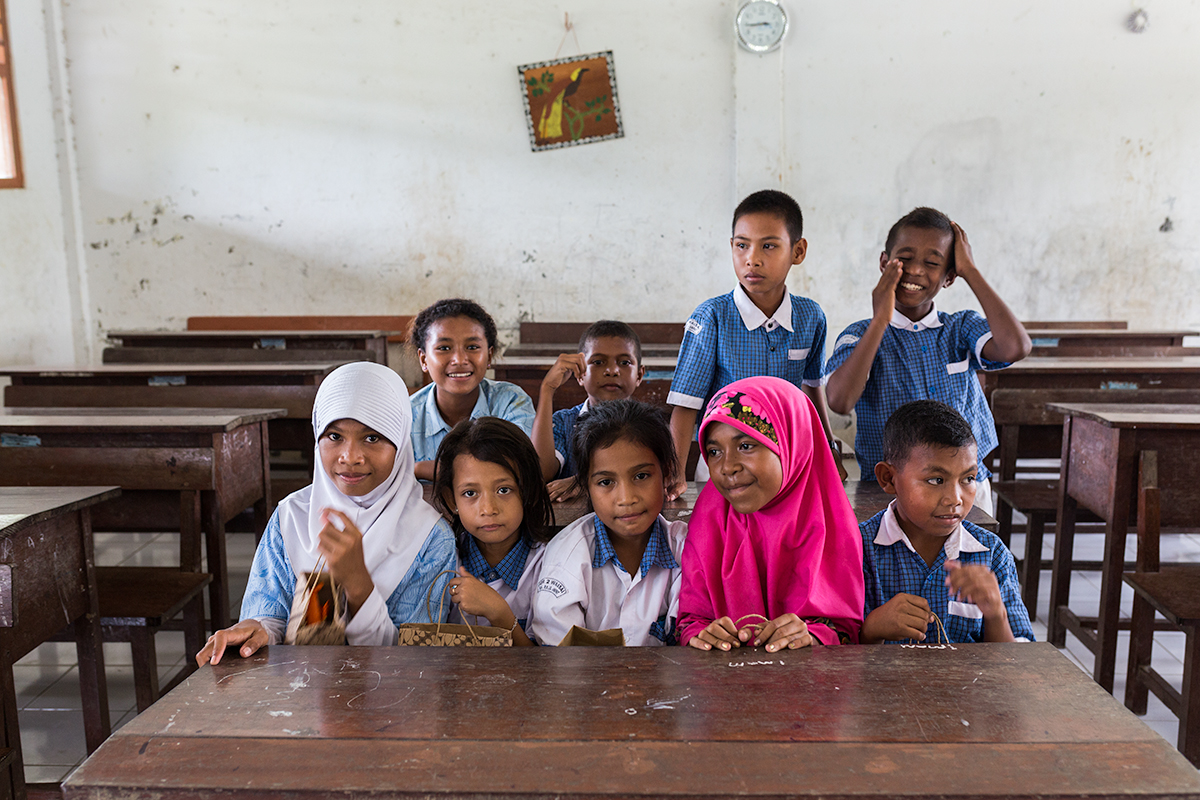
[(552, 338), (1094, 324), (1077, 343), (260, 346)]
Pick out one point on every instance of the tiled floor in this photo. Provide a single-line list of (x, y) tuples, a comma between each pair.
[(48, 687)]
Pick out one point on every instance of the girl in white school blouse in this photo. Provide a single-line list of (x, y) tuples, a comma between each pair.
[(363, 514)]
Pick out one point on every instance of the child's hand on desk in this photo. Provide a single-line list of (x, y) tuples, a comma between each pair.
[(563, 489), (249, 633), (905, 616), (568, 365), (976, 584), (787, 631), (473, 596), (883, 296), (721, 634), (341, 544), (964, 261)]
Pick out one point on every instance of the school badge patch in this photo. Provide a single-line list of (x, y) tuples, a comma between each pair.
[(552, 586)]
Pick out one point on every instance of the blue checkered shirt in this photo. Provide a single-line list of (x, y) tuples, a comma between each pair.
[(658, 554), (719, 347), (564, 425), (935, 359), (510, 569), (496, 399), (892, 569)]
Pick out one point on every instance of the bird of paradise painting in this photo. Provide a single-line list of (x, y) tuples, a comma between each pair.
[(571, 101)]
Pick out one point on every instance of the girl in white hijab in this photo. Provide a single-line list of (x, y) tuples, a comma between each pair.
[(363, 514)]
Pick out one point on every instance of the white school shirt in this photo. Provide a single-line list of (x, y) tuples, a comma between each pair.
[(520, 600), (571, 591)]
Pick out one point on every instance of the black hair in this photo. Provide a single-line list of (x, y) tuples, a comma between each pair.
[(929, 219), (923, 422), (629, 419), (444, 309), (771, 201), (496, 441), (614, 328)]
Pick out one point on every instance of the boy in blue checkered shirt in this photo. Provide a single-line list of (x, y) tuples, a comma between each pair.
[(909, 350), (757, 329), (921, 557)]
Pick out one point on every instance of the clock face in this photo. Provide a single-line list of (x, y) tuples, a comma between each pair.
[(761, 25)]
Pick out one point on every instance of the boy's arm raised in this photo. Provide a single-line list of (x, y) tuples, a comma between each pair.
[(1009, 341), (847, 382), (567, 366)]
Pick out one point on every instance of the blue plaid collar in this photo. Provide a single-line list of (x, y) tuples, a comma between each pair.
[(510, 569), (658, 550)]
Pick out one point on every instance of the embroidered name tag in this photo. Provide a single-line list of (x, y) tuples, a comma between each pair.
[(957, 367), (552, 586), (798, 355), (968, 610), (693, 327)]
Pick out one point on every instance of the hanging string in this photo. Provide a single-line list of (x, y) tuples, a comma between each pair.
[(568, 28)]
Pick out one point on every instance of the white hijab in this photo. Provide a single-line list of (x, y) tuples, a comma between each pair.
[(393, 517)]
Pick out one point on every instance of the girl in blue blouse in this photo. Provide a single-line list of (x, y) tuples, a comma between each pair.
[(363, 515)]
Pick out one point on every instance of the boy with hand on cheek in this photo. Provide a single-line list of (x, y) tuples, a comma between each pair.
[(609, 367), (909, 350), (920, 555)]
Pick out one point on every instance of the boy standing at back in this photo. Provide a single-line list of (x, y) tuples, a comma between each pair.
[(609, 367), (921, 557), (909, 350), (757, 329)]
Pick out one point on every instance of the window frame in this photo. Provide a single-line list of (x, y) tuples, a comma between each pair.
[(18, 179)]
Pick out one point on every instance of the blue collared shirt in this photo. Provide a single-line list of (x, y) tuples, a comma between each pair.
[(510, 569), (564, 422), (891, 566), (935, 358), (728, 338), (658, 551), (496, 399)]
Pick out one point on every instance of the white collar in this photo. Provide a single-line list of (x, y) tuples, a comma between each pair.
[(753, 317), (960, 539), (930, 320)]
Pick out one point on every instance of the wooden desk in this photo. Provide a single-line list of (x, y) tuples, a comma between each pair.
[(985, 720), (261, 346), (868, 499), (189, 470), (47, 581), (1100, 450), (1096, 373), (528, 372), (1090, 343)]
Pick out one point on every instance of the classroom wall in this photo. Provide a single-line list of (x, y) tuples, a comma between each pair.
[(308, 157)]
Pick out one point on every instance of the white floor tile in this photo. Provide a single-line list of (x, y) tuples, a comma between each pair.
[(60, 653), (33, 679), (47, 774), (63, 695)]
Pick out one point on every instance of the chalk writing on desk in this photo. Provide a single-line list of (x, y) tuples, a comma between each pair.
[(167, 380), (659, 705), (751, 663), (19, 440), (929, 646)]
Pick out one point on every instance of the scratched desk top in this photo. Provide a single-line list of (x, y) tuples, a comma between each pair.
[(959, 720)]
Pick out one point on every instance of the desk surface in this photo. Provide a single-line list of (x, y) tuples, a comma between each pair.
[(189, 336), (1119, 415), (1102, 333), (547, 361), (995, 720), (320, 368), (23, 506), (132, 420), (1115, 364)]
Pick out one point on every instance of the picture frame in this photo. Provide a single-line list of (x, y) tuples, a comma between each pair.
[(571, 101)]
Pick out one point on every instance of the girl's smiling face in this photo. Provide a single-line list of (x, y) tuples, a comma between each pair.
[(747, 473), (625, 483), (487, 500), (356, 458), (456, 355)]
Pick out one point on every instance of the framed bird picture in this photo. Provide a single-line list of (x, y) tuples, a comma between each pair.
[(571, 101)]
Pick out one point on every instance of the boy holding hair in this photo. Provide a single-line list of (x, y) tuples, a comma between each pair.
[(909, 350), (757, 329), (920, 555), (609, 367)]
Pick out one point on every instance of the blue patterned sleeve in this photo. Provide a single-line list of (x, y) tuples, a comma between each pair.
[(272, 582), (697, 362), (872, 598), (562, 423), (511, 403), (814, 365), (842, 348), (973, 333), (1005, 570), (408, 602)]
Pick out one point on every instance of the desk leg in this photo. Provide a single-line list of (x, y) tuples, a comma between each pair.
[(189, 531), (263, 508), (218, 590), (1115, 531), (93, 685), (13, 783), (1064, 546)]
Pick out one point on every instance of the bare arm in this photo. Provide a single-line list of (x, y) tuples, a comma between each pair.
[(1009, 340), (424, 470), (568, 365), (683, 423), (847, 382)]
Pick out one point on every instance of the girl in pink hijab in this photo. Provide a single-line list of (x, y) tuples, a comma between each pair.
[(773, 555)]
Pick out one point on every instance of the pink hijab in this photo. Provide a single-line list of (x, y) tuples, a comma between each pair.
[(800, 553)]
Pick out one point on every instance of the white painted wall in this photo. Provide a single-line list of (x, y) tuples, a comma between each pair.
[(310, 157)]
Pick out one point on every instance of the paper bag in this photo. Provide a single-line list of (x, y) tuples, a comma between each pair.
[(319, 611), (582, 637), (445, 634)]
